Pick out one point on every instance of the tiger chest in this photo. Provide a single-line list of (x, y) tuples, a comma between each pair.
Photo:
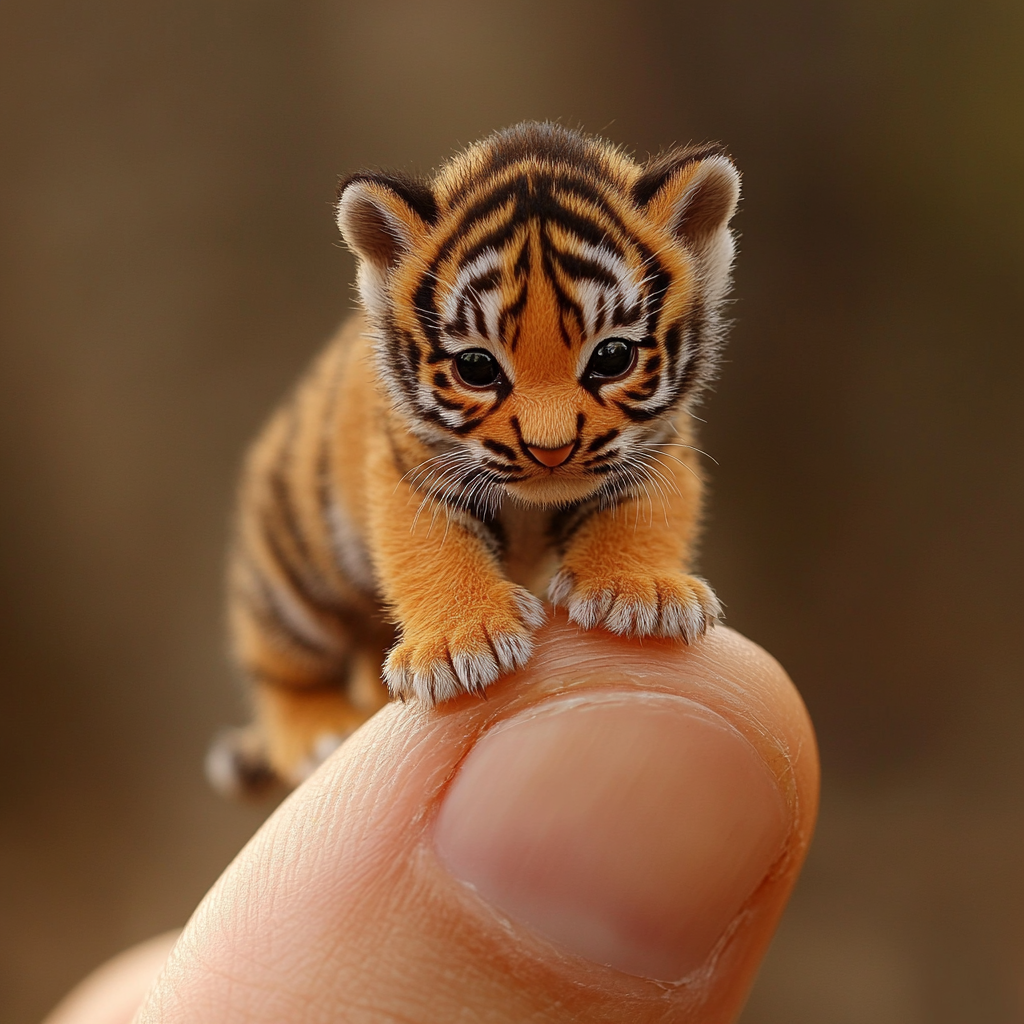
[(528, 552)]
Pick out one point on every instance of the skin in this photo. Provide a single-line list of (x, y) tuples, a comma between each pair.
[(348, 904)]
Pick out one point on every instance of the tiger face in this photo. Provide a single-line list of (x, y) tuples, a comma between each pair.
[(544, 307)]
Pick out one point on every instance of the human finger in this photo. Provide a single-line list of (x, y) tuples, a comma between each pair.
[(612, 835)]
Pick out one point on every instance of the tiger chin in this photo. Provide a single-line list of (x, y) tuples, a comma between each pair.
[(508, 417)]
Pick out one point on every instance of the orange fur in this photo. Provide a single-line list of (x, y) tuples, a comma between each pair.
[(508, 419)]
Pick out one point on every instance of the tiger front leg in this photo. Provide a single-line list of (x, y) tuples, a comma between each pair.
[(460, 640), (624, 568), (462, 623)]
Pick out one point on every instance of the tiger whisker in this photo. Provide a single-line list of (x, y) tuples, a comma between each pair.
[(685, 465), (444, 502), (657, 478), (646, 482), (442, 483), (676, 444)]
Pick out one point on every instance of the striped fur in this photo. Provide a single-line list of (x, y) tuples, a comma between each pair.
[(509, 417)]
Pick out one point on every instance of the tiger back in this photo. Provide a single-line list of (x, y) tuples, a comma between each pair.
[(507, 419)]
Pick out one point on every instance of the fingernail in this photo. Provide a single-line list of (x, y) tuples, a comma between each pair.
[(628, 828)]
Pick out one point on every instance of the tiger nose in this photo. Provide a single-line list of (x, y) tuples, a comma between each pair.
[(551, 457)]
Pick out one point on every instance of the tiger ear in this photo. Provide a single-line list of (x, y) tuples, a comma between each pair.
[(693, 193), (382, 217)]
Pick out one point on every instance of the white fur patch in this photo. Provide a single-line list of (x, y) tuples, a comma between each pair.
[(591, 294), (348, 548), (372, 283), (490, 301)]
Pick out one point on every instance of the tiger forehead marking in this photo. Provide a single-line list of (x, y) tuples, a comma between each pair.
[(538, 227), (589, 287)]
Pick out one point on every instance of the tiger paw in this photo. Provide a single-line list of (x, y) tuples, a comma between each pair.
[(440, 660), (637, 603)]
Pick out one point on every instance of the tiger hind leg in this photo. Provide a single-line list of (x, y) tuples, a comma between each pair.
[(296, 728), (301, 728)]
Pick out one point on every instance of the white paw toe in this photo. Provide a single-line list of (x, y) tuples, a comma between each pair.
[(632, 618), (530, 608), (475, 671)]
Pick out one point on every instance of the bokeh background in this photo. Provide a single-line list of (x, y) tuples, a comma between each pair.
[(169, 264)]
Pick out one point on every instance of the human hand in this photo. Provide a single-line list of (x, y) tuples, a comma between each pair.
[(611, 836)]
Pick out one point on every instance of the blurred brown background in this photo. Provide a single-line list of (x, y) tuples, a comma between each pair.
[(169, 264)]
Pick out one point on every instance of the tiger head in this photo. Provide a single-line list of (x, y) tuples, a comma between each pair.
[(544, 306)]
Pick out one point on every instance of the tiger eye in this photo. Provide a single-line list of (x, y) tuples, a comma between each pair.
[(612, 358), (477, 368)]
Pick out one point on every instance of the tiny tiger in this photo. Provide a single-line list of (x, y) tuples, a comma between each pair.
[(507, 417)]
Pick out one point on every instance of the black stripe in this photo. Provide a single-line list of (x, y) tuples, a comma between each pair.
[(481, 321), (602, 313), (406, 357), (551, 211), (579, 268), (281, 494), (521, 267), (500, 449), (643, 415), (266, 609), (485, 282), (582, 188), (599, 442), (508, 472), (510, 315), (646, 389), (496, 239), (567, 306), (673, 342), (295, 575), (466, 427), (660, 280), (692, 373), (446, 403)]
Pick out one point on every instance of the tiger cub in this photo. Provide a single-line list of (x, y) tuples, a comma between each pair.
[(508, 417)]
